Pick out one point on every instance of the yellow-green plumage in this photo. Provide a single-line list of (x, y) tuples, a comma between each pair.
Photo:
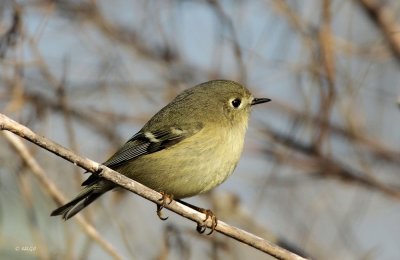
[(184, 175), (189, 147)]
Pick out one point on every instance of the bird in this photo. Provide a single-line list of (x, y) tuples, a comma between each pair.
[(189, 147)]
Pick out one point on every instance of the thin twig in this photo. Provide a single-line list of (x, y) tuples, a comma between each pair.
[(382, 15)]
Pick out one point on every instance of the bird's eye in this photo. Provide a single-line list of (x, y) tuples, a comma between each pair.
[(236, 102)]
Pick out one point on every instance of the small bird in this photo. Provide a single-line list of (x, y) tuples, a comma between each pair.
[(189, 147)]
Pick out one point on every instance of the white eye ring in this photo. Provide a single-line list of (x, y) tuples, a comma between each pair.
[(235, 103)]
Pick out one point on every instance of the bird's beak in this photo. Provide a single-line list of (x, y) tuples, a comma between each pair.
[(259, 101)]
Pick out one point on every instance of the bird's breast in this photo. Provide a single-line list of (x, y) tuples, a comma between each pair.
[(192, 166)]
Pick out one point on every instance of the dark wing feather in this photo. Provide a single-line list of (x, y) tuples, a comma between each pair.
[(133, 148)]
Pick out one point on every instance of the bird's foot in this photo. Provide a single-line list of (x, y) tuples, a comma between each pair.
[(165, 200), (201, 226)]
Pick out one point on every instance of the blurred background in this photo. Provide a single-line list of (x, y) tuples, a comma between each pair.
[(320, 169)]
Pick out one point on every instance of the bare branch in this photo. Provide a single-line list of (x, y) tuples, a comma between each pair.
[(143, 191), (381, 14)]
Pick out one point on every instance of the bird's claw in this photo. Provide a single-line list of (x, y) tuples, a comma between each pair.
[(166, 200), (201, 226)]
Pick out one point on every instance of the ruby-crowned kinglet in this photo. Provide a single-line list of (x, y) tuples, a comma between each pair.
[(189, 147)]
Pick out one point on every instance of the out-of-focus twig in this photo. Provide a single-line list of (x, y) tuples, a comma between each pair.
[(82, 115), (374, 146), (326, 165), (9, 39), (225, 19), (91, 12), (51, 189), (382, 15), (327, 86)]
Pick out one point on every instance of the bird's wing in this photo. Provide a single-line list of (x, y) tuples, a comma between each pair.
[(146, 142)]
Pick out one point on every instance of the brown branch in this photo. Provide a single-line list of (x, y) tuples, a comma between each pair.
[(382, 15), (227, 21), (9, 39), (143, 191), (82, 115), (373, 145), (327, 166), (327, 97)]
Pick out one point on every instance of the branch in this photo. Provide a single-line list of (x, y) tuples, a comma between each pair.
[(326, 166), (382, 15), (143, 191)]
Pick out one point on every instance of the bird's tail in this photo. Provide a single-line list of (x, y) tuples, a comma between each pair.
[(88, 195)]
